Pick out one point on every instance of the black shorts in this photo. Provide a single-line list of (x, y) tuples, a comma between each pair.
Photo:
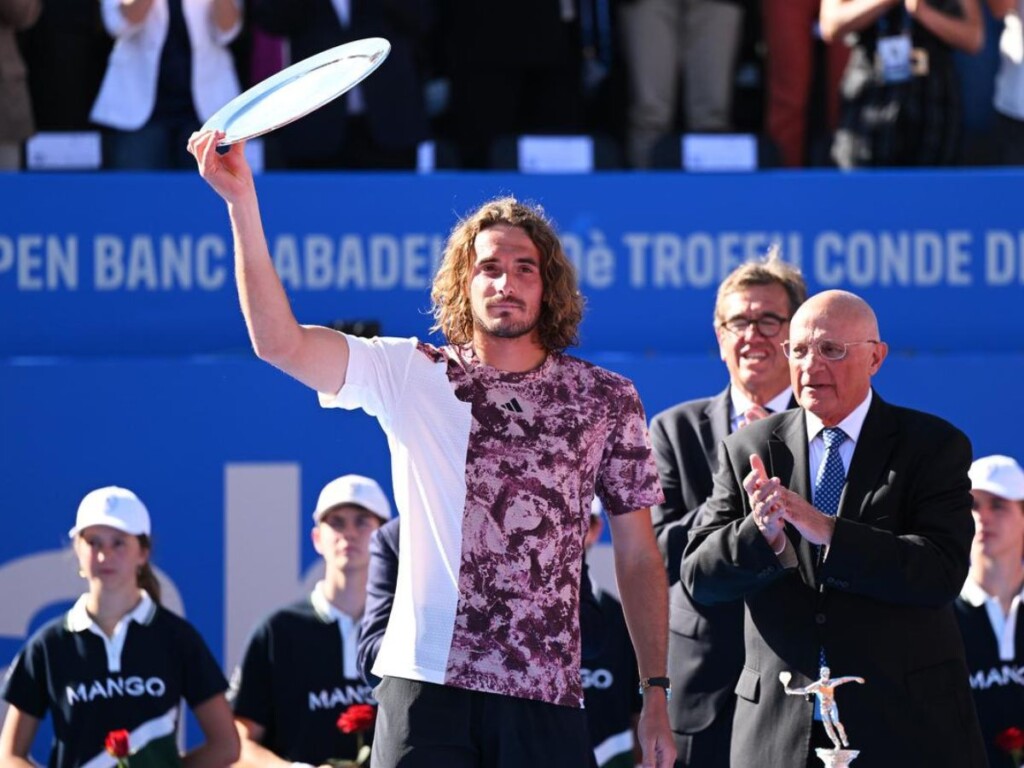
[(422, 725)]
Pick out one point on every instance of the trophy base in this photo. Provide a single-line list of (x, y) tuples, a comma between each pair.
[(837, 758)]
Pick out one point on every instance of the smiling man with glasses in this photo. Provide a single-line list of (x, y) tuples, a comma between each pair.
[(845, 525)]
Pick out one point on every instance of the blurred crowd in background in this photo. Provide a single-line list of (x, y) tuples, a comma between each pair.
[(821, 83)]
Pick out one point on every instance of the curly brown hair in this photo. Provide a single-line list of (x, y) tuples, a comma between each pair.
[(561, 303)]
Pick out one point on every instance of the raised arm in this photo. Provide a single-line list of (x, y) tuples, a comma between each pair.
[(226, 14), (848, 679), (837, 18), (20, 14), (135, 11), (965, 33), (316, 356), (1000, 8)]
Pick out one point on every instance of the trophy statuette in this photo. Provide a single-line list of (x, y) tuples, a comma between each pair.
[(825, 689)]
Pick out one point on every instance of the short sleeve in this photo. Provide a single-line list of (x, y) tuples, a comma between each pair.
[(251, 694), (25, 684), (203, 678), (115, 22), (376, 373), (225, 37), (627, 479)]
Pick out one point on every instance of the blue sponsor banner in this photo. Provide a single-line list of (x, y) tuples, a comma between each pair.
[(124, 359), (141, 264)]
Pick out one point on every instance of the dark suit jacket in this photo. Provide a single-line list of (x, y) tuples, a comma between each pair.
[(705, 647), (380, 594), (705, 650), (881, 605), (393, 93)]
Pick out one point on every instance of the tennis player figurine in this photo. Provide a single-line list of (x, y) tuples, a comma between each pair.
[(825, 689)]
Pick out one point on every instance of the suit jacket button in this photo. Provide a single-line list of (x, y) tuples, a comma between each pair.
[(819, 618)]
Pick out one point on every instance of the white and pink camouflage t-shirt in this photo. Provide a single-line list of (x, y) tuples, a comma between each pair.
[(493, 474)]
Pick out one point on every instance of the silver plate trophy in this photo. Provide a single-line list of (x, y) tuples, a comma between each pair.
[(825, 689), (298, 90)]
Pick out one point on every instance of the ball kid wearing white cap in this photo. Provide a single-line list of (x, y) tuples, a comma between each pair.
[(999, 475), (115, 507), (117, 660)]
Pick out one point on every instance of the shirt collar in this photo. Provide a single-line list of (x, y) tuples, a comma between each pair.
[(851, 425), (741, 403), (325, 610), (79, 620), (974, 594), (781, 401)]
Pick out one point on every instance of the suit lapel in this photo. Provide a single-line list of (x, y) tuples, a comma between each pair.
[(870, 458), (787, 450), (714, 426)]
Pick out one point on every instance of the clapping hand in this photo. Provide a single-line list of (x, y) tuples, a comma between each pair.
[(766, 502)]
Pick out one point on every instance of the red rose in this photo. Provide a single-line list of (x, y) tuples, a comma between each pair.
[(1011, 740), (357, 718), (117, 744)]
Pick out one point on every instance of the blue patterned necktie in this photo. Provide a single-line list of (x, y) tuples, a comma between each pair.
[(828, 486), (828, 489)]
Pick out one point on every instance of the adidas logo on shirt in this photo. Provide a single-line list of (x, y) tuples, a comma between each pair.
[(512, 405)]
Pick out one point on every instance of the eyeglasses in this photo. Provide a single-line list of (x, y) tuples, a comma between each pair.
[(826, 348), (767, 325)]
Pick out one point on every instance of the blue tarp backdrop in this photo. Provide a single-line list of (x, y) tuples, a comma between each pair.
[(123, 356)]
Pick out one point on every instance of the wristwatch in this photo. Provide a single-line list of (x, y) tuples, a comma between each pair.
[(657, 682)]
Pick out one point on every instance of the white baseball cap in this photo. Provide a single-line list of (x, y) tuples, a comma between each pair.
[(999, 475), (116, 507), (353, 489)]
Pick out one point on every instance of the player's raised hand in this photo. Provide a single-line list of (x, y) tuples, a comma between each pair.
[(229, 173)]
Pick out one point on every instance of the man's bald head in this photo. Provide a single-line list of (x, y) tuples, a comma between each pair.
[(849, 307), (832, 389)]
